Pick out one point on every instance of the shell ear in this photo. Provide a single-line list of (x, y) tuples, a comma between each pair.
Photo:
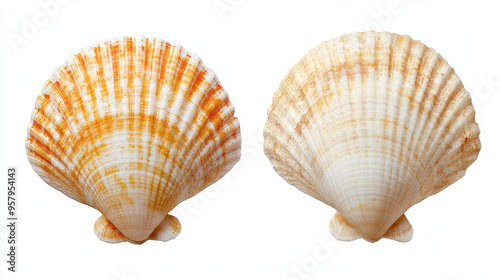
[(401, 230), (167, 230), (107, 232), (341, 229)]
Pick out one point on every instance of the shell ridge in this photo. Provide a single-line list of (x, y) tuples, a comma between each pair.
[(416, 97), (459, 126), (298, 157), (109, 78), (142, 69), (36, 144), (393, 85), (271, 143), (350, 96), (202, 120), (42, 139), (184, 77), (342, 92), (171, 121), (165, 180), (455, 92), (402, 56), (286, 125), (188, 108), (314, 125), (206, 128), (225, 127), (300, 110), (66, 88), (152, 152), (338, 55), (387, 48), (84, 95), (400, 61), (104, 52), (45, 168), (167, 77), (71, 88), (424, 95), (41, 117), (149, 52), (144, 52), (407, 96), (89, 71), (443, 72), (56, 114)]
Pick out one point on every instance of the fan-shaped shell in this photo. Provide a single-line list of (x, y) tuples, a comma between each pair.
[(132, 127), (371, 124)]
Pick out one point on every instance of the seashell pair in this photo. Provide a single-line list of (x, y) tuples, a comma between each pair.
[(369, 123)]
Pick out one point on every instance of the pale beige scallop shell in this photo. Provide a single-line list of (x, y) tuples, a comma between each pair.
[(371, 124), (132, 127)]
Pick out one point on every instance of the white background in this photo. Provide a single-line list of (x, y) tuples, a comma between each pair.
[(251, 224)]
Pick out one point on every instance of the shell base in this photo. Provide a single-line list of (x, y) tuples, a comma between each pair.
[(340, 228), (167, 230)]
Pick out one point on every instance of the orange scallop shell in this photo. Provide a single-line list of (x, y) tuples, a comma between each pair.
[(132, 127)]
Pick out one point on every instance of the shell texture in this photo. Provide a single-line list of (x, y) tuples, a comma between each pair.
[(371, 123), (132, 127)]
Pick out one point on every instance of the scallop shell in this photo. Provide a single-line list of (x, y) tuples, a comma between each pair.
[(132, 127), (371, 124)]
